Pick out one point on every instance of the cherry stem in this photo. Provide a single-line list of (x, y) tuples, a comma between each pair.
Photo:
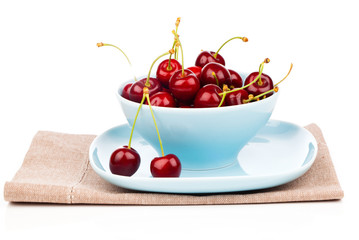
[(255, 80), (110, 45), (179, 42), (147, 84), (178, 20), (154, 120), (290, 69), (134, 122), (225, 90), (169, 67), (244, 39), (275, 89), (215, 77)]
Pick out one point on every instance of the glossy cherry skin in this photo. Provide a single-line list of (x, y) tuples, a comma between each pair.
[(236, 98), (255, 88), (196, 70), (163, 99), (236, 80), (136, 91), (185, 87), (124, 161), (222, 74), (166, 166), (208, 96), (164, 74), (126, 91), (206, 57)]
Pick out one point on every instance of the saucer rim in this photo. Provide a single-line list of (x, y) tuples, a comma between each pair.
[(115, 179)]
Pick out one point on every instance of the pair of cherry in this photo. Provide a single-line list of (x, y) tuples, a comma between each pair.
[(125, 161)]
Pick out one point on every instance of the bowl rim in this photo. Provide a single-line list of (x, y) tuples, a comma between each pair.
[(213, 109)]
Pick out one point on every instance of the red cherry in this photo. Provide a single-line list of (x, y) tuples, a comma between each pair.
[(196, 70), (185, 104), (236, 98), (236, 79), (166, 166), (206, 57), (136, 91), (126, 91), (163, 99), (166, 90), (184, 87), (260, 86), (124, 161), (208, 96), (164, 74), (221, 73)]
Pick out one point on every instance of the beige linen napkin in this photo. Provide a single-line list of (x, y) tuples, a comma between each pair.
[(56, 169)]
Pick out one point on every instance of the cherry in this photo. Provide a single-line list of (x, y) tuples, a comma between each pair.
[(126, 91), (196, 70), (236, 79), (185, 86), (215, 73), (166, 166), (206, 57), (165, 70), (208, 96), (136, 91), (124, 161), (236, 98), (166, 90), (188, 104), (163, 99), (262, 85)]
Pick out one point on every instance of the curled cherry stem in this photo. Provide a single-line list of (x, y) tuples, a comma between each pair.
[(290, 69), (255, 80), (244, 39), (147, 84), (128, 60)]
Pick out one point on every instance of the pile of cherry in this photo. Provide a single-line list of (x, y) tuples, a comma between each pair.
[(207, 84), (202, 85)]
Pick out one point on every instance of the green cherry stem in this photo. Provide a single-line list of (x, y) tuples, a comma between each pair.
[(154, 120), (275, 89), (244, 39), (255, 80), (147, 84), (134, 122), (225, 90), (215, 77), (176, 48), (179, 42), (128, 60)]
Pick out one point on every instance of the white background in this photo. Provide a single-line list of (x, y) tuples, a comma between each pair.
[(53, 77)]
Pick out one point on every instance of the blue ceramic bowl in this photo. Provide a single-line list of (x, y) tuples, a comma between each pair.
[(202, 138)]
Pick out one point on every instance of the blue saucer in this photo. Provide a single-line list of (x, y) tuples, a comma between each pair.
[(279, 153)]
